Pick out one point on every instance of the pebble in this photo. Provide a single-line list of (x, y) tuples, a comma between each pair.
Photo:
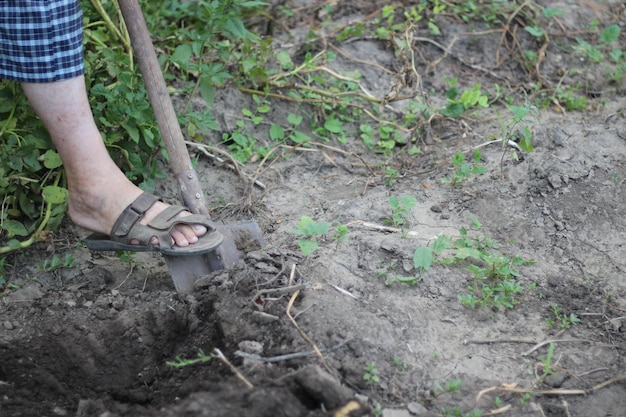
[(416, 408), (8, 325), (436, 208), (396, 413)]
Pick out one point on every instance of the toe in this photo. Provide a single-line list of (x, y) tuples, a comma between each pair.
[(180, 236)]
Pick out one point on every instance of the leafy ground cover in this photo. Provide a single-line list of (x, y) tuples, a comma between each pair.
[(441, 188)]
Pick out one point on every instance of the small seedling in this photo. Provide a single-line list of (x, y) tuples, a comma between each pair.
[(55, 262), (312, 230), (563, 320), (547, 361), (463, 170), (399, 363), (525, 399), (179, 362), (400, 210), (453, 386), (341, 233), (371, 374)]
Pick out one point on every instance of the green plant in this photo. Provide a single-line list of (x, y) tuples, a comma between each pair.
[(546, 361), (463, 170), (180, 362), (495, 275), (525, 399), (564, 321), (595, 53), (341, 233), (400, 210), (370, 376), (390, 175), (55, 262), (458, 103), (400, 364), (312, 230), (452, 386)]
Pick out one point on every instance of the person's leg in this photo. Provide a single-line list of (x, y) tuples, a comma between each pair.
[(98, 190)]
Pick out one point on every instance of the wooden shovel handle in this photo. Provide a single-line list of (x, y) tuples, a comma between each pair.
[(180, 162)]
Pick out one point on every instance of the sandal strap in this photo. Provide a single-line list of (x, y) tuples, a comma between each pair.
[(166, 220), (131, 215)]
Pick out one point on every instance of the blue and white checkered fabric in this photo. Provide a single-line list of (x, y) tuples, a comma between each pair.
[(41, 40)]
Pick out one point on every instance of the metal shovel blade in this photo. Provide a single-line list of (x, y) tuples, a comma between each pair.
[(238, 239)]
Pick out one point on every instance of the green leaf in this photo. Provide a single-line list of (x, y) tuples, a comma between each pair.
[(277, 132), (453, 110), (307, 226), (294, 119), (207, 90), (476, 223), (299, 137), (51, 159), (14, 228), (307, 246), (464, 253), (408, 201), (552, 11), (610, 34), (55, 195), (182, 54), (284, 59), (440, 244), (333, 125), (423, 258), (535, 31)]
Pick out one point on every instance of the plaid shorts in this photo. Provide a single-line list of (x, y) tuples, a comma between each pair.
[(41, 40)]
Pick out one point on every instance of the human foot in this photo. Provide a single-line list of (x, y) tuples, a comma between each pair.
[(135, 231)]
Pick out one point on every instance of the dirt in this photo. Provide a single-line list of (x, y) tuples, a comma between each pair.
[(95, 339)]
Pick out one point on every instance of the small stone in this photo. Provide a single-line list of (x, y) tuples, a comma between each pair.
[(416, 408), (251, 346), (555, 380), (8, 325), (264, 318), (395, 413), (59, 411), (436, 208)]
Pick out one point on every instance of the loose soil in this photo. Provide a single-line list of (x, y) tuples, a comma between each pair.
[(299, 333)]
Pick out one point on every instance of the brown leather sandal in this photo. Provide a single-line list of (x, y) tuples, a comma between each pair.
[(127, 228)]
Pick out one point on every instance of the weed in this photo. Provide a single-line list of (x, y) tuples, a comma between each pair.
[(312, 230), (391, 278), (546, 361), (400, 210), (179, 362), (400, 364), (525, 399), (452, 386), (459, 103), (464, 170), (341, 233), (495, 275), (55, 262), (370, 376), (562, 320), (390, 175)]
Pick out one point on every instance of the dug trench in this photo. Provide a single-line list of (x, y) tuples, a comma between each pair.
[(91, 350)]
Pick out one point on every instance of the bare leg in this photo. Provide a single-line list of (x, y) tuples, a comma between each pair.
[(99, 191)]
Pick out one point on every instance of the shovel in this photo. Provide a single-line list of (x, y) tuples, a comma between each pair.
[(185, 270)]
